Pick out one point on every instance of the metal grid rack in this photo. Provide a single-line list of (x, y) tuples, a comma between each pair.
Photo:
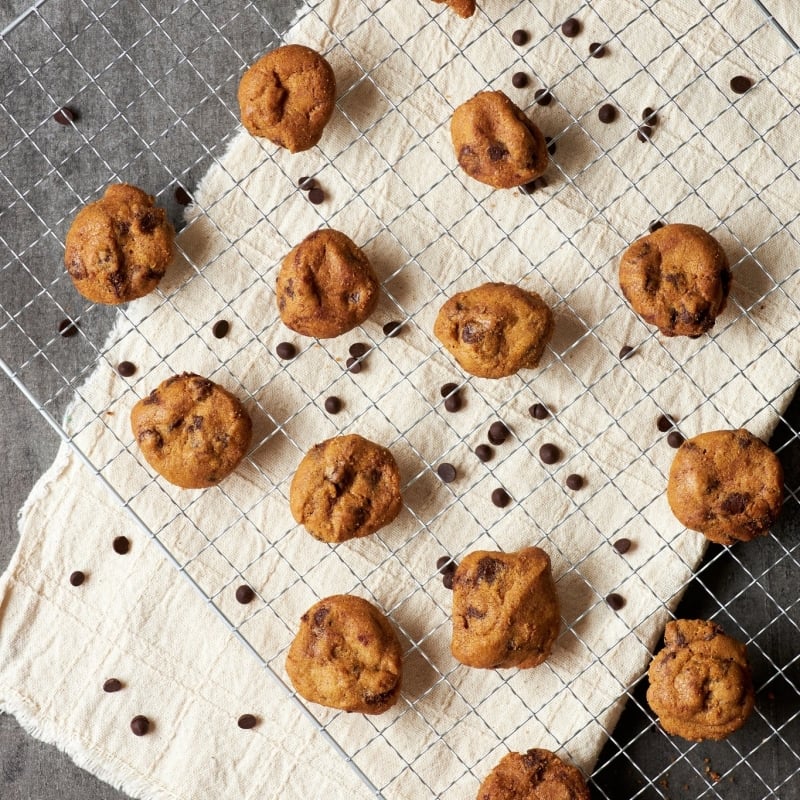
[(170, 95)]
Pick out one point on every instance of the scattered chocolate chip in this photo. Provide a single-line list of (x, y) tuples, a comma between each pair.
[(316, 195), (67, 328), (501, 498), (675, 439), (453, 403), (519, 80), (354, 365), (574, 482), (442, 562), (358, 349), (447, 472), (112, 685), (542, 97), (615, 601), (140, 725), (126, 369), (625, 351), (221, 328), (246, 722), (244, 594), (607, 113), (306, 183), (571, 28), (121, 545), (597, 50), (286, 351), (392, 328), (649, 115), (66, 115), (484, 452), (539, 411), (447, 580), (664, 423), (644, 133), (532, 186), (549, 453), (655, 224), (520, 37), (498, 433), (551, 145), (622, 545), (77, 578), (740, 84), (333, 405), (448, 388), (182, 197)]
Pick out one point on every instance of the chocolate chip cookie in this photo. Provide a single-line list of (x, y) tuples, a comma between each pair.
[(495, 329), (326, 286), (346, 655), (288, 96), (119, 247), (191, 430), (676, 278), (700, 683), (505, 609), (495, 143), (726, 484), (345, 488), (464, 8), (535, 775)]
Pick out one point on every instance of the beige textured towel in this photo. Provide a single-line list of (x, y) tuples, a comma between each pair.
[(387, 169)]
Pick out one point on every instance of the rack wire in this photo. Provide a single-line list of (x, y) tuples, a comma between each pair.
[(163, 83)]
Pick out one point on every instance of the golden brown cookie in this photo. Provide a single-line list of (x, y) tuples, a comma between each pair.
[(505, 609), (676, 278), (191, 430), (535, 775), (726, 484), (326, 286), (464, 8), (495, 142), (344, 488), (346, 655), (288, 96), (495, 329), (118, 248), (700, 683)]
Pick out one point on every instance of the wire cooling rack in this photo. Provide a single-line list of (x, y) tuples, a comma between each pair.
[(161, 80)]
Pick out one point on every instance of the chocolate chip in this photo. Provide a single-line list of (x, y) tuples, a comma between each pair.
[(140, 725), (615, 601), (622, 545), (675, 439), (644, 133), (571, 28), (112, 685), (182, 197), (537, 183), (306, 183), (539, 411), (246, 722), (392, 328), (664, 423), (286, 351), (655, 224), (551, 145), (453, 403), (520, 37), (625, 351), (649, 115), (607, 113), (549, 453), (126, 369), (244, 594), (501, 498), (740, 84), (121, 545), (316, 196), (358, 349), (354, 365), (444, 563), (447, 580), (448, 388), (67, 328), (77, 578), (542, 97), (597, 50), (519, 80), (574, 482), (484, 452), (221, 328), (498, 433), (333, 405), (447, 472), (64, 116)]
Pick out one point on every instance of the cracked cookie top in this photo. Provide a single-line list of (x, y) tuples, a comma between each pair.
[(537, 774)]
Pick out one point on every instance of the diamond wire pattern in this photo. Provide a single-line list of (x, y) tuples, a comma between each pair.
[(33, 359)]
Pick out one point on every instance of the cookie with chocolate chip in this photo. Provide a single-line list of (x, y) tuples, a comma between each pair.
[(346, 655), (537, 774), (505, 609), (495, 329), (495, 142), (726, 484), (676, 278), (345, 488), (119, 247), (701, 685), (464, 8), (288, 96), (326, 286), (191, 430)]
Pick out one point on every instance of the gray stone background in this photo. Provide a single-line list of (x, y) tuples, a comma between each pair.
[(30, 769)]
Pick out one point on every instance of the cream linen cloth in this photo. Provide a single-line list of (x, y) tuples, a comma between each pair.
[(387, 169)]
